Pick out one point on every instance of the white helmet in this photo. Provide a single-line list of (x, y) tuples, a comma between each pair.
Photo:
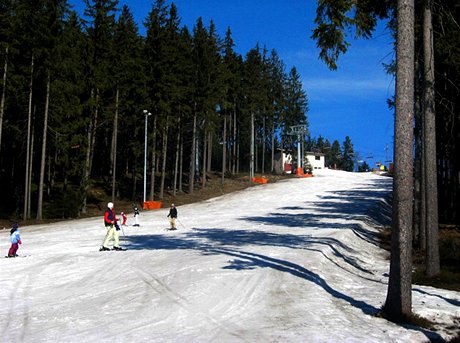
[(110, 205)]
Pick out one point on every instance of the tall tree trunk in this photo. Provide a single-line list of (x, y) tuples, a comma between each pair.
[(263, 145), (209, 158), (234, 155), (398, 304), (26, 213), (191, 174), (228, 167), (114, 146), (2, 101), (224, 150), (153, 166), (237, 157), (418, 153), (31, 162), (422, 219), (165, 155), (176, 161), (272, 164), (256, 153), (205, 156), (91, 139), (181, 163), (43, 157), (251, 167), (431, 188), (50, 173)]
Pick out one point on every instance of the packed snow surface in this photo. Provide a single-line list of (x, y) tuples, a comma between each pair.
[(293, 261)]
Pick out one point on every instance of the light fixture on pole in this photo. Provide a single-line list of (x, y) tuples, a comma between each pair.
[(147, 114)]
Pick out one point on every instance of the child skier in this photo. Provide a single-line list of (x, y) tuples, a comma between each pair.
[(172, 217), (124, 218), (136, 216), (15, 240)]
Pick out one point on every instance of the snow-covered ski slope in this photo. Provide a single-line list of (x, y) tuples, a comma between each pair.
[(294, 261)]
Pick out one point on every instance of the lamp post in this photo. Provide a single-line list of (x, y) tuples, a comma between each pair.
[(147, 114)]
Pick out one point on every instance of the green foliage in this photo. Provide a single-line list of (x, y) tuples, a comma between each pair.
[(336, 19), (172, 72), (363, 167), (65, 203), (348, 155)]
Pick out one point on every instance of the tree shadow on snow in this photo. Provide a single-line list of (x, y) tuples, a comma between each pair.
[(208, 238), (448, 300), (241, 238), (217, 241), (350, 207), (248, 260)]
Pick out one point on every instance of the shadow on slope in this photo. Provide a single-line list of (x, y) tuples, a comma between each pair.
[(342, 209), (206, 238), (217, 241)]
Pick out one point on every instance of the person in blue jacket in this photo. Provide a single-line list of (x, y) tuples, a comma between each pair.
[(15, 240)]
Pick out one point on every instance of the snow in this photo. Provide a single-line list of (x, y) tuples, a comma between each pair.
[(292, 261)]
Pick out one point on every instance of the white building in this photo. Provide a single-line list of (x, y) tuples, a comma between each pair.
[(316, 159)]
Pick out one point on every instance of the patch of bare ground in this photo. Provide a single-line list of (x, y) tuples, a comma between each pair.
[(213, 187)]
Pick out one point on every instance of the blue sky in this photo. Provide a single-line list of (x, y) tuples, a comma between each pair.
[(350, 101)]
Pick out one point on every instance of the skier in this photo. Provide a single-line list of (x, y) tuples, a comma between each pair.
[(15, 240), (110, 222), (136, 216), (172, 217), (124, 218)]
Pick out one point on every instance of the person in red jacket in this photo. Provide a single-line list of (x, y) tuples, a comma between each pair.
[(124, 218), (110, 222)]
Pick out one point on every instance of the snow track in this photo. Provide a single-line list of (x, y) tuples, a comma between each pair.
[(295, 261)]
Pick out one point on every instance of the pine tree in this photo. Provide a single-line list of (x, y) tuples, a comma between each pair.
[(253, 101), (431, 183), (69, 125), (398, 304), (129, 79), (277, 98), (348, 155), (296, 105), (100, 41), (51, 18), (157, 73), (232, 74), (5, 42), (334, 156)]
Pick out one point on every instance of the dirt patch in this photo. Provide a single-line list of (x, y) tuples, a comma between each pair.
[(213, 188)]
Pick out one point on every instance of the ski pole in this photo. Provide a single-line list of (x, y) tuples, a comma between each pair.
[(180, 223)]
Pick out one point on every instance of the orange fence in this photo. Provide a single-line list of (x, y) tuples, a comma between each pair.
[(301, 174), (259, 180), (152, 205)]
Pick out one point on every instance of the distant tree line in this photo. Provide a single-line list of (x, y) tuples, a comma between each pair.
[(81, 95), (337, 156)]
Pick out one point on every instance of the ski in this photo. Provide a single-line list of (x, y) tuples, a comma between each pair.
[(113, 249)]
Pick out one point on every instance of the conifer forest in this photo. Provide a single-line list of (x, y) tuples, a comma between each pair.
[(86, 100)]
